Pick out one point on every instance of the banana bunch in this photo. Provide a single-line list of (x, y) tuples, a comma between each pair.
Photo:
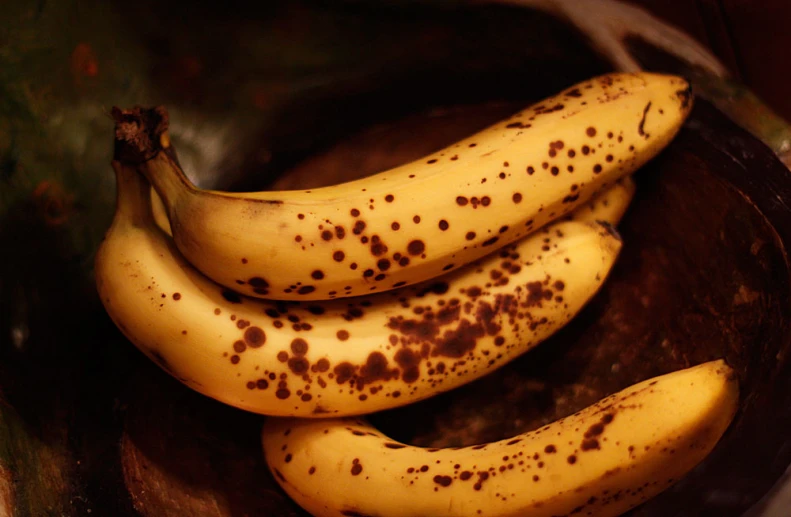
[(318, 306)]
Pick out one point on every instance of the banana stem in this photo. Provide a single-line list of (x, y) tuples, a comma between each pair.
[(133, 196), (142, 141)]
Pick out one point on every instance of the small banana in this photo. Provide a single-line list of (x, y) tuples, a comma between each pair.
[(341, 357), (417, 221), (599, 462)]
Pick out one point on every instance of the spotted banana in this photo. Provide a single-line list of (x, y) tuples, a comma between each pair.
[(422, 219), (599, 462)]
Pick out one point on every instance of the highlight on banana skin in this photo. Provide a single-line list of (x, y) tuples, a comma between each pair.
[(319, 307)]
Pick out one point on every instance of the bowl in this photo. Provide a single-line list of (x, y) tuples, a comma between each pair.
[(264, 99)]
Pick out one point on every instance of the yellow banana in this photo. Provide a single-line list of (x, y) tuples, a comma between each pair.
[(424, 218), (599, 462), (341, 357), (609, 205)]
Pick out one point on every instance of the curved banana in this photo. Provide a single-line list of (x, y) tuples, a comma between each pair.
[(416, 221), (341, 357), (599, 462)]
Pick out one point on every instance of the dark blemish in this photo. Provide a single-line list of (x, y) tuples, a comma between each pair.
[(472, 145), (408, 360), (466, 475), (609, 134), (239, 347), (486, 201), (383, 264), (597, 168), (317, 274), (400, 284), (235, 359), (517, 197), (254, 337), (342, 335), (443, 225), (299, 346), (572, 459), (586, 150), (231, 296), (641, 126), (461, 200), (306, 289), (298, 365), (501, 176), (282, 356), (354, 212), (389, 198), (531, 170), (300, 216), (177, 296), (443, 480), (358, 227), (545, 165), (338, 256), (326, 235), (550, 449), (448, 267), (288, 458), (282, 393), (555, 171), (559, 285), (470, 236), (368, 273), (416, 247), (356, 467), (316, 310), (575, 92), (572, 153), (340, 232), (416, 219), (591, 131), (489, 242), (433, 160)]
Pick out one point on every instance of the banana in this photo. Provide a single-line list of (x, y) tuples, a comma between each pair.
[(419, 220), (609, 205), (599, 462), (341, 357)]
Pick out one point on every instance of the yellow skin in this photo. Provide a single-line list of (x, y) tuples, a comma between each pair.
[(417, 221), (603, 460), (341, 357)]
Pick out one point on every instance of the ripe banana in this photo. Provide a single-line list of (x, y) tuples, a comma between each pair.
[(599, 462), (419, 220), (341, 357)]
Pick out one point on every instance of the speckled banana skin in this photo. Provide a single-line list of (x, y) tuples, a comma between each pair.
[(610, 205), (430, 216), (341, 357), (599, 462)]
